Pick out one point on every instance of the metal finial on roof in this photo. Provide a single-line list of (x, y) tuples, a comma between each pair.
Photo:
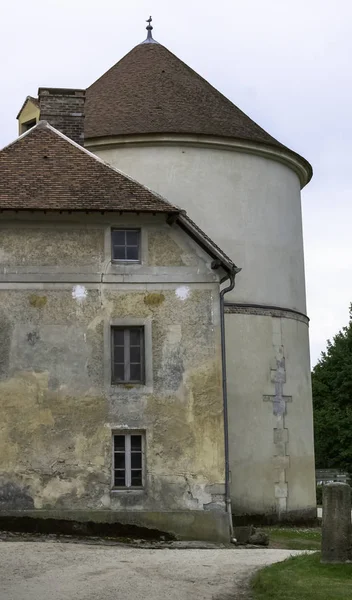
[(149, 28)]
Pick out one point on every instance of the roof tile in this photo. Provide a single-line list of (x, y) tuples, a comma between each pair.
[(44, 170), (150, 90)]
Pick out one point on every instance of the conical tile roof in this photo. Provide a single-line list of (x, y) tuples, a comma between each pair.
[(150, 90)]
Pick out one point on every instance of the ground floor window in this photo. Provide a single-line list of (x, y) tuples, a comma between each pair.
[(128, 460)]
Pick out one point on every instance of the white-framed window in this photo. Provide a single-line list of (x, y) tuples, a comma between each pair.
[(128, 460), (126, 245)]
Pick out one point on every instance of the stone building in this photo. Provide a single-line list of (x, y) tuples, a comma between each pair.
[(110, 360), (154, 118)]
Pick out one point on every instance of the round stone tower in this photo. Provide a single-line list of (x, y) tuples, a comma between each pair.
[(157, 120)]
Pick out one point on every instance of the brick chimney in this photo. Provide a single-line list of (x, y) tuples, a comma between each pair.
[(63, 109)]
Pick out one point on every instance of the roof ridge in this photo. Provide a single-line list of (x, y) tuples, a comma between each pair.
[(23, 135)]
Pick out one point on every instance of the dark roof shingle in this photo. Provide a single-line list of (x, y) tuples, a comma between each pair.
[(150, 90), (44, 170)]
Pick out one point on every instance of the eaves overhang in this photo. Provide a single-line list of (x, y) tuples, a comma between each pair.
[(220, 259)]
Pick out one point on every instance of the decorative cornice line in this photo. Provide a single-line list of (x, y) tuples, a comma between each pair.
[(266, 311), (289, 158)]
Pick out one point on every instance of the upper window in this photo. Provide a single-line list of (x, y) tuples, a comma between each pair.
[(127, 354), (125, 245)]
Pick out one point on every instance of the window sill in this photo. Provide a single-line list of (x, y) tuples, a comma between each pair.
[(127, 384), (128, 388), (129, 490), (115, 261)]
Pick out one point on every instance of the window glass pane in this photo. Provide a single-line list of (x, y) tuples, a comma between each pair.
[(119, 442), (135, 337), (119, 252), (120, 479), (118, 237), (125, 244), (118, 337), (135, 372), (136, 442), (132, 252), (135, 354), (136, 478), (120, 460), (119, 354), (119, 372), (136, 460), (132, 238)]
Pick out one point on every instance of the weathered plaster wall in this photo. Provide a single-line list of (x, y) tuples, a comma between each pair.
[(271, 424), (69, 245), (39, 247), (249, 205), (58, 407), (164, 251)]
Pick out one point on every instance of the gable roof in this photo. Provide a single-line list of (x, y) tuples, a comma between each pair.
[(45, 170), (34, 101), (195, 232), (150, 90)]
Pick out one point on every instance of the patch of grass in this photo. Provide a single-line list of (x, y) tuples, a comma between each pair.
[(294, 538), (303, 578)]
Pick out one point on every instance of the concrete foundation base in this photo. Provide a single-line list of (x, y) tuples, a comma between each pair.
[(307, 517), (209, 526)]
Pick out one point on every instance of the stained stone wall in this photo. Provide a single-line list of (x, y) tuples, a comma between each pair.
[(59, 295), (270, 417)]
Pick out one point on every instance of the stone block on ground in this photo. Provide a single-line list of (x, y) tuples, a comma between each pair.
[(243, 533), (336, 526), (259, 538)]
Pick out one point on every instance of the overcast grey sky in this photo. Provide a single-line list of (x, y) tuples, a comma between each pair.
[(286, 64)]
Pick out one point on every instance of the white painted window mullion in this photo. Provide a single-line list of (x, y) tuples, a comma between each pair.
[(143, 460), (125, 245), (127, 358), (128, 460)]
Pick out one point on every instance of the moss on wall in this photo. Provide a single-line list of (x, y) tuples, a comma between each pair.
[(37, 301), (154, 299)]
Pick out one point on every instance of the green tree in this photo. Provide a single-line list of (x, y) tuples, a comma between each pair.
[(332, 402)]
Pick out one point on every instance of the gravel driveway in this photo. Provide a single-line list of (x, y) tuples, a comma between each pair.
[(67, 571)]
